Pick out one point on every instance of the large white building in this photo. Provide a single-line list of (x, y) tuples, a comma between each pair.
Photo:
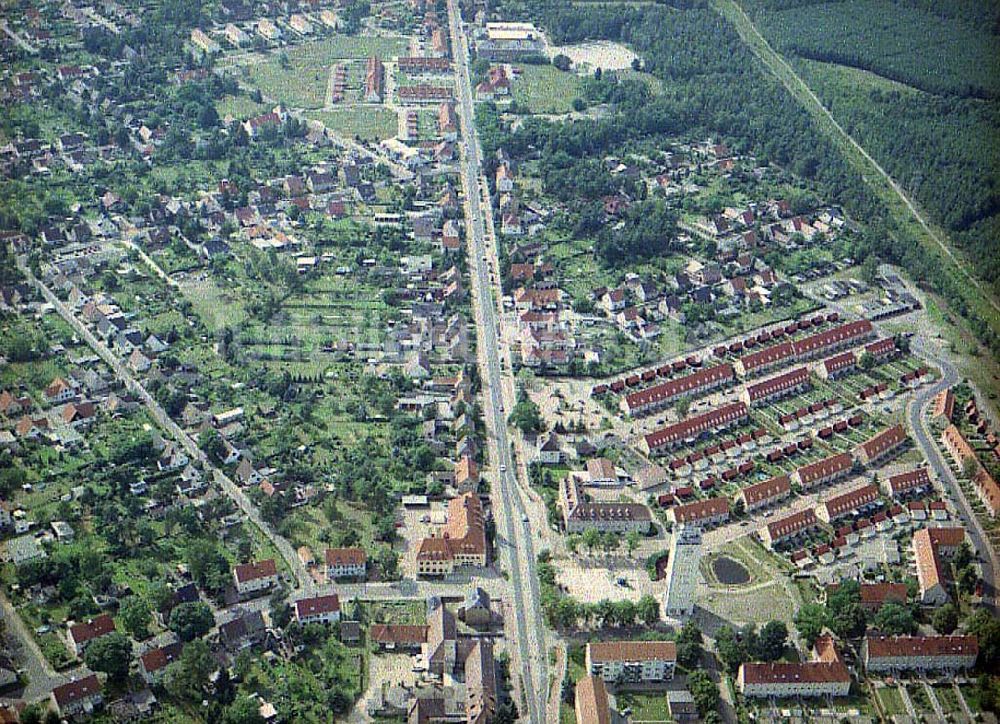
[(682, 572), (632, 661)]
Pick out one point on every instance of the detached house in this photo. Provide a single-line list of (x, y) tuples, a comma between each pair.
[(318, 609), (345, 563), (82, 634), (256, 577), (80, 696)]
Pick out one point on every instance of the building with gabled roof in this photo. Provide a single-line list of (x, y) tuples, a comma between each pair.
[(648, 401), (154, 662), (579, 514), (345, 562), (462, 541), (675, 434), (911, 482), (894, 654), (825, 675), (591, 701), (773, 388), (823, 472), (880, 446), (791, 526), (83, 633), (764, 493), (80, 696), (318, 609), (251, 578), (853, 501), (632, 661), (704, 513), (931, 547)]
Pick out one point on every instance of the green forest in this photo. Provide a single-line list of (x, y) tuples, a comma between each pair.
[(713, 85)]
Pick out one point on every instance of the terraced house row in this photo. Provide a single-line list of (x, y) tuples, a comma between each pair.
[(674, 435), (779, 355), (648, 401)]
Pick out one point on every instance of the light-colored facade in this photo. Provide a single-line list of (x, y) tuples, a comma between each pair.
[(682, 572), (632, 661)]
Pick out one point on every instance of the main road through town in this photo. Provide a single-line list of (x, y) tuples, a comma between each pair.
[(514, 532)]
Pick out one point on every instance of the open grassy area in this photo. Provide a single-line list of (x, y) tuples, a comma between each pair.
[(239, 107), (298, 76), (891, 701), (646, 707), (364, 122), (545, 89)]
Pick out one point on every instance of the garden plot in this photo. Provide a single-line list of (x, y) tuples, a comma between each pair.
[(298, 76)]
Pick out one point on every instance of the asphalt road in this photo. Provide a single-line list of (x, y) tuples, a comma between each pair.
[(916, 413), (159, 414), (509, 510)]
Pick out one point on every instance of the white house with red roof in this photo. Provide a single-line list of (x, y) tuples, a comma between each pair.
[(255, 577)]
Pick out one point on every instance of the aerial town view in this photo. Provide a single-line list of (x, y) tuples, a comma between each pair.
[(493, 361)]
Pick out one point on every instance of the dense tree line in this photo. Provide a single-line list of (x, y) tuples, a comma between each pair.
[(714, 86), (891, 39)]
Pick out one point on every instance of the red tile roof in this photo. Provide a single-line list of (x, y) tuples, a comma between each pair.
[(74, 691), (256, 570), (780, 383), (776, 486), (317, 605), (692, 383), (92, 628), (916, 478), (910, 646), (791, 524), (850, 501), (159, 658), (825, 468), (696, 425), (345, 557), (701, 510), (884, 441)]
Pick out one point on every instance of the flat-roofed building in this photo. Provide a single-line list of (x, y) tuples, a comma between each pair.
[(682, 572)]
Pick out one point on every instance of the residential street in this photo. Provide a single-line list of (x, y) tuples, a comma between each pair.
[(161, 417), (512, 520)]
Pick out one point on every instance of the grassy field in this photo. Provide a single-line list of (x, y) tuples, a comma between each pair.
[(239, 107), (545, 89), (364, 122), (298, 76), (646, 707)]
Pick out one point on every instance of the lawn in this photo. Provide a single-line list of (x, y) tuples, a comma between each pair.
[(651, 707), (362, 122), (545, 89), (239, 107), (298, 76), (891, 701)]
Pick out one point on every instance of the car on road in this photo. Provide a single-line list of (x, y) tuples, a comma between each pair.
[(524, 518), (503, 468)]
